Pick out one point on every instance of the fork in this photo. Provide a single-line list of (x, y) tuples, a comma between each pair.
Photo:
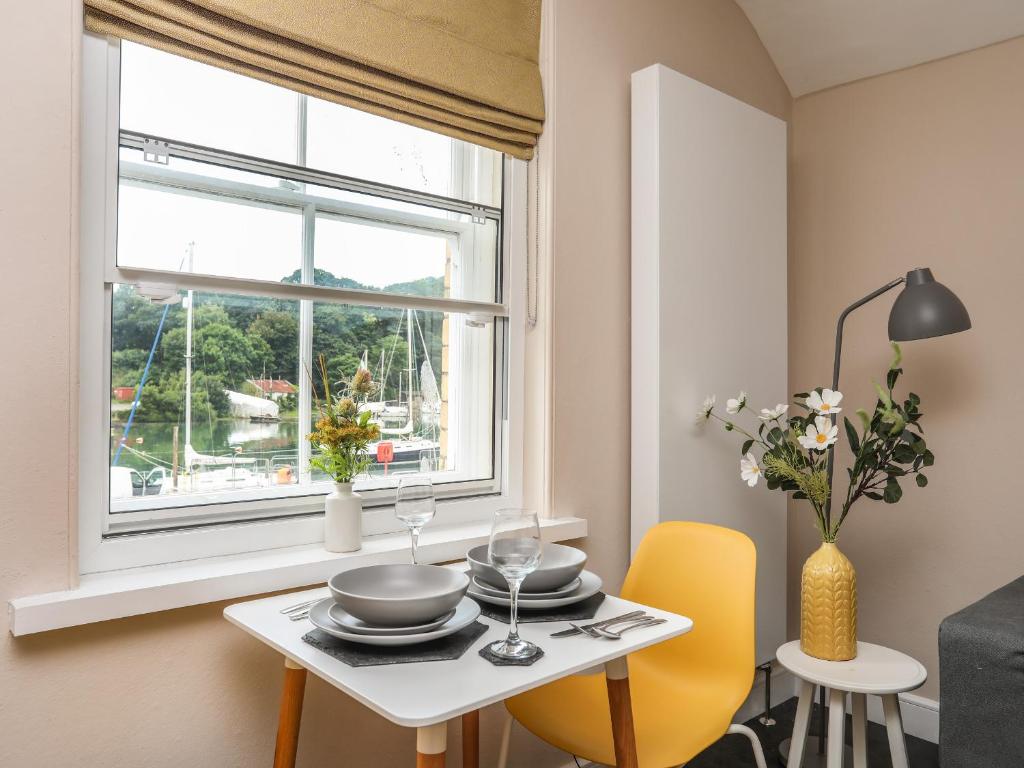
[(617, 634), (299, 608)]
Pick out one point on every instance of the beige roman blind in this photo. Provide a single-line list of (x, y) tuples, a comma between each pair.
[(464, 68)]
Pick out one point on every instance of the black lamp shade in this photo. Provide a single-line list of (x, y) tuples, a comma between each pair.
[(926, 308)]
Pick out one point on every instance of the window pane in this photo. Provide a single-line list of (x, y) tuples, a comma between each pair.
[(243, 432), (357, 253), (176, 98), (434, 401), (160, 227), (235, 434), (354, 143)]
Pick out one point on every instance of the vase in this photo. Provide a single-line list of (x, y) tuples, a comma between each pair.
[(828, 605), (343, 519)]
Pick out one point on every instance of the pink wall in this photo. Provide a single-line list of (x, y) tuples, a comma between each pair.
[(922, 167), (599, 43)]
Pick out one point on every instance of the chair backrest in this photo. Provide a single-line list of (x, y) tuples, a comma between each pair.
[(705, 572)]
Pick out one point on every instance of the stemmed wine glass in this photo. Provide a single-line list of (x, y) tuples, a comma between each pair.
[(415, 505), (514, 550)]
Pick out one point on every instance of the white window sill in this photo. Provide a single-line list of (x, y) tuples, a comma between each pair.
[(117, 594)]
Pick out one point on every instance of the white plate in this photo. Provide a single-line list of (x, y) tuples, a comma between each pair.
[(590, 585), (465, 614), (572, 586), (347, 621)]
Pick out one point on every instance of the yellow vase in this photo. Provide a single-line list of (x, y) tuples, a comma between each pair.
[(828, 605)]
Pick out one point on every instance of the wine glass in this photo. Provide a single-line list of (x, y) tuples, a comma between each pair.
[(514, 551), (415, 505)]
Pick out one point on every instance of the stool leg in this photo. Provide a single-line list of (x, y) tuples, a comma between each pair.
[(860, 730), (471, 739), (290, 715), (620, 703), (431, 745), (836, 726), (801, 725), (894, 725)]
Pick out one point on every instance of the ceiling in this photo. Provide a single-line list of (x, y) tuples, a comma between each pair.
[(820, 43)]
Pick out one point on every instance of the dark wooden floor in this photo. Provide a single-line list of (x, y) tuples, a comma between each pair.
[(734, 751)]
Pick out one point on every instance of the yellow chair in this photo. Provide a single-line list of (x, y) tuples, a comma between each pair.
[(685, 691)]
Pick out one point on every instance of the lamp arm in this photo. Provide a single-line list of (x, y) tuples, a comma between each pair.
[(835, 378)]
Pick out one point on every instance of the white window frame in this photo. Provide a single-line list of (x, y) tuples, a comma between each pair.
[(98, 552)]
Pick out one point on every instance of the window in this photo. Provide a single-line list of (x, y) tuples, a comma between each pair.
[(233, 233)]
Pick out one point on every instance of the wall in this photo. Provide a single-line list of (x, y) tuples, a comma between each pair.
[(923, 167), (598, 44), (184, 687)]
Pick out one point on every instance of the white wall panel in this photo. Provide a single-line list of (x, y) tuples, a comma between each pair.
[(708, 312)]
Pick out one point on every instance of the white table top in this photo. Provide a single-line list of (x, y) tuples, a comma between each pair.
[(426, 693), (876, 669)]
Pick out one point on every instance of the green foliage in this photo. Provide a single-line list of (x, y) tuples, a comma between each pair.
[(888, 446), (342, 434), (238, 338)]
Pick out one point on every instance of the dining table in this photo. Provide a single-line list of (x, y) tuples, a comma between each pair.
[(426, 695)]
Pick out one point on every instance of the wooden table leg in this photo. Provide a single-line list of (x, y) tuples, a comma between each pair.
[(620, 703), (860, 730), (431, 745), (894, 725), (471, 739), (290, 715), (801, 725), (836, 726)]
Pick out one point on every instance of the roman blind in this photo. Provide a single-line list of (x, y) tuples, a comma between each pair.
[(464, 68)]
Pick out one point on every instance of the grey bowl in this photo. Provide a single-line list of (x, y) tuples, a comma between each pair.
[(398, 595), (559, 565)]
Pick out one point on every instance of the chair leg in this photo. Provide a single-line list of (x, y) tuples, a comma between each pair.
[(755, 742), (506, 736)]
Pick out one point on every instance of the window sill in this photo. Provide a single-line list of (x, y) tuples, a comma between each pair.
[(118, 594)]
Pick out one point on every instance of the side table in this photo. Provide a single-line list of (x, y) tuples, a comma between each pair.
[(878, 671)]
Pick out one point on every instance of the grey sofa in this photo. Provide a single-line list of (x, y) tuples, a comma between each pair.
[(981, 680)]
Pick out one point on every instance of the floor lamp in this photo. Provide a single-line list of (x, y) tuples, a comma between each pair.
[(924, 309)]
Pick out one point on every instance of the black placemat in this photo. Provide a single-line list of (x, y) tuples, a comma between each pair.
[(585, 609), (500, 661), (359, 655)]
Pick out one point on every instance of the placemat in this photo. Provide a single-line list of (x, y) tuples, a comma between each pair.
[(585, 609), (500, 661), (359, 655)]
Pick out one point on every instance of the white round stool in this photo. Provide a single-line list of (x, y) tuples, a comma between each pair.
[(876, 670)]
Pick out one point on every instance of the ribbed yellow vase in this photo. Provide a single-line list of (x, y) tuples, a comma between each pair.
[(828, 605)]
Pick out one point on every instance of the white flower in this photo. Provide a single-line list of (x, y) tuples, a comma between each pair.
[(705, 412), (820, 435), (749, 471), (735, 404), (774, 413), (827, 402)]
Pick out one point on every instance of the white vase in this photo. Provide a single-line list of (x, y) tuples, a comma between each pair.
[(343, 519)]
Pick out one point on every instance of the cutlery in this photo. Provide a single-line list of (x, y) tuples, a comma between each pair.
[(617, 634), (582, 628), (300, 607)]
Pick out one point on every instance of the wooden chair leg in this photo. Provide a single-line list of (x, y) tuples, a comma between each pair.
[(620, 703), (431, 745), (471, 739), (290, 715)]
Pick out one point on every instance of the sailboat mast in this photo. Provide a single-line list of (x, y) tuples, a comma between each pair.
[(188, 354), (409, 356)]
